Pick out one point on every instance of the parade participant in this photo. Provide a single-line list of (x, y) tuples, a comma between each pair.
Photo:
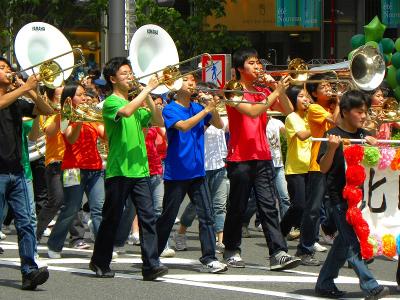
[(249, 164), (214, 158), (297, 157), (353, 109), (320, 118), (82, 172), (127, 172), (184, 170), (54, 155), (13, 189)]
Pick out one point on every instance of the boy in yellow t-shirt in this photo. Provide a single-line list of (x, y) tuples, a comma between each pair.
[(321, 117)]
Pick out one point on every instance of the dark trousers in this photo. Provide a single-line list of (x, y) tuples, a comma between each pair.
[(243, 176), (39, 183), (174, 193), (297, 184), (117, 191), (53, 204), (312, 211)]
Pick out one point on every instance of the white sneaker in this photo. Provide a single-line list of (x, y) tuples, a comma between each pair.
[(259, 228), (319, 248), (168, 252), (40, 263), (46, 232), (214, 267), (53, 254), (177, 221), (91, 230), (52, 223), (119, 250), (2, 236), (219, 247), (180, 242), (133, 239)]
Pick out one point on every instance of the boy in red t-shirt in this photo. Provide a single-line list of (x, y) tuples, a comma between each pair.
[(250, 166)]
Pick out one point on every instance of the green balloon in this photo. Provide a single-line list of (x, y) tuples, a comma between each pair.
[(372, 44), (387, 45), (391, 76), (350, 55), (388, 58), (396, 60), (398, 77), (374, 30), (396, 92), (397, 44), (357, 41)]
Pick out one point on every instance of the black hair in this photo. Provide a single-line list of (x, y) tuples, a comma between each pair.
[(6, 61), (49, 92), (292, 92), (240, 56), (384, 87), (352, 99), (69, 91), (112, 66), (312, 87)]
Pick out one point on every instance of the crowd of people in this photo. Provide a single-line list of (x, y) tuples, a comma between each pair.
[(148, 153)]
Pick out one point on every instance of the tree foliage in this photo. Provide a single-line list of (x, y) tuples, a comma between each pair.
[(191, 34), (66, 15)]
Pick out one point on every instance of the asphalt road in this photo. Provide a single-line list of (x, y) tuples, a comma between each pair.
[(70, 277)]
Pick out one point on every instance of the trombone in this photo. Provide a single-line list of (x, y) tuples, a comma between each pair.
[(50, 72), (171, 74)]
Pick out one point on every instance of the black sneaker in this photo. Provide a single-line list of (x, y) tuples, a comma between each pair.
[(101, 273), (308, 260), (283, 261), (378, 293), (31, 280), (152, 274), (332, 293)]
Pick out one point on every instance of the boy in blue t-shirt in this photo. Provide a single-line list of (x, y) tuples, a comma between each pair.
[(184, 171)]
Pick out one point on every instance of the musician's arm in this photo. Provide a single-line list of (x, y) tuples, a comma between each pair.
[(34, 134), (186, 125), (72, 132), (254, 110)]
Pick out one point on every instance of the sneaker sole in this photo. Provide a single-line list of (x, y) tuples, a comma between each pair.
[(235, 266), (37, 280), (214, 271), (287, 266)]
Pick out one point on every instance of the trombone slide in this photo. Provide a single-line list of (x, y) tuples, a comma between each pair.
[(357, 141)]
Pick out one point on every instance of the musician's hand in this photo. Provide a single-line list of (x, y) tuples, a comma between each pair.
[(153, 82), (333, 141), (211, 105), (32, 82), (269, 81), (371, 140), (283, 85)]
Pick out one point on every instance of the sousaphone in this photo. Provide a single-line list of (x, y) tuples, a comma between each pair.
[(42, 49), (150, 50)]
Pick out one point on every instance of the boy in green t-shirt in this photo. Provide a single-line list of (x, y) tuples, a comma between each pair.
[(127, 172)]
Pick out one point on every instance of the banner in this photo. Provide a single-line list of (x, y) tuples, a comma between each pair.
[(381, 194), (305, 13), (391, 13)]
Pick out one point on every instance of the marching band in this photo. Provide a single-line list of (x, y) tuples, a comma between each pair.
[(114, 151)]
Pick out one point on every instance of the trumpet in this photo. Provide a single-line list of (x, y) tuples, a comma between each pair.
[(81, 113)]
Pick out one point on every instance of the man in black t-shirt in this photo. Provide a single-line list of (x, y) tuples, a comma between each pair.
[(353, 107), (12, 181)]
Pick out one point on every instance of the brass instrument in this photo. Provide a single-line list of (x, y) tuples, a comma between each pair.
[(47, 53), (81, 113), (365, 71)]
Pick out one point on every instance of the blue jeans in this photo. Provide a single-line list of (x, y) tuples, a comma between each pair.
[(175, 192), (219, 192), (14, 191), (312, 211), (345, 247), (281, 186), (92, 183)]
